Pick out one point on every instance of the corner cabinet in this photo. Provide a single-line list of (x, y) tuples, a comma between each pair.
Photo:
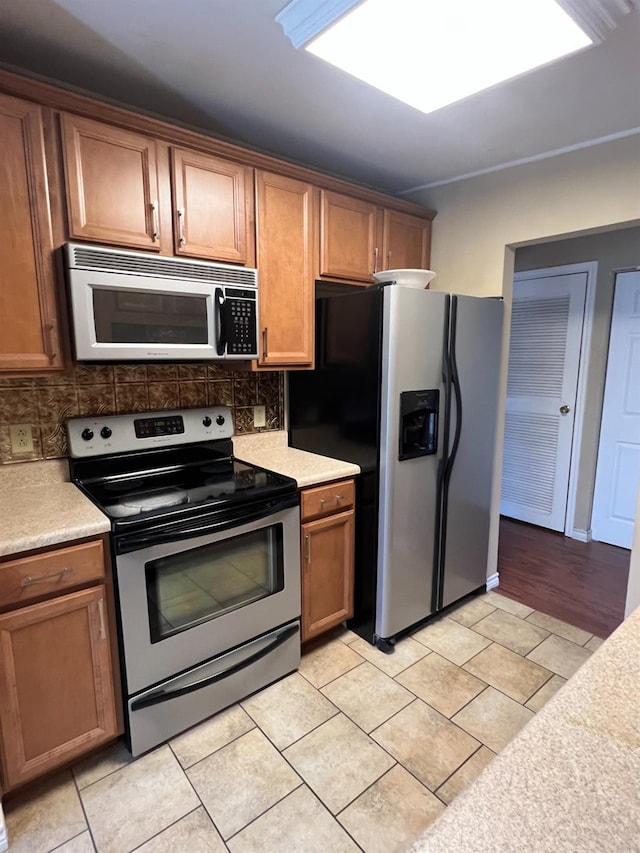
[(357, 239), (327, 559), (406, 241), (57, 684), (286, 248), (29, 339), (111, 178), (348, 237)]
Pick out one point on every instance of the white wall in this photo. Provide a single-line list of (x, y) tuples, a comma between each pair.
[(482, 220)]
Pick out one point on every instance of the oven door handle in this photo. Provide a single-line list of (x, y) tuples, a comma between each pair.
[(165, 695), (136, 542)]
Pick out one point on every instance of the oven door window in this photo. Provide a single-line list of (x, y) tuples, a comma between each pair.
[(195, 586)]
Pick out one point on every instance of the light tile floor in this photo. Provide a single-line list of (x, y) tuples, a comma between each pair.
[(356, 751)]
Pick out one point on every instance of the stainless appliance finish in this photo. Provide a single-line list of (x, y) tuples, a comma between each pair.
[(206, 553), (406, 386), (134, 306), (404, 545), (149, 660)]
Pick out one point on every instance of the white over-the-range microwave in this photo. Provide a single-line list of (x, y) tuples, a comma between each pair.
[(130, 306)]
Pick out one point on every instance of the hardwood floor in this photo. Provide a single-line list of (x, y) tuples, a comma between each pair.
[(583, 583)]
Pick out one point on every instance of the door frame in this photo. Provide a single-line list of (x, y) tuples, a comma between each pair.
[(591, 270)]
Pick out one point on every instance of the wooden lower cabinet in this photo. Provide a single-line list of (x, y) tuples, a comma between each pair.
[(327, 572), (56, 684)]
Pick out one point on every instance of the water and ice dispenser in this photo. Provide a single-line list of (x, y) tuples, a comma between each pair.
[(418, 423)]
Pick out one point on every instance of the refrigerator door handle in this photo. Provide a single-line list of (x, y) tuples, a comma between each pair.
[(455, 382), (443, 465)]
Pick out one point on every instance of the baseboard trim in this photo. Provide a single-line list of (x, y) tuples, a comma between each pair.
[(493, 581), (581, 535)]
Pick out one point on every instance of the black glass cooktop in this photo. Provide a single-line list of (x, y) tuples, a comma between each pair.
[(146, 486)]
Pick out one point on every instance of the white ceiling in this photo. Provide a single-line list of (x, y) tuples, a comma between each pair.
[(226, 66)]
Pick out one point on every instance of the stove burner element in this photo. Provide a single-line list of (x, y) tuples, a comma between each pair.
[(146, 502)]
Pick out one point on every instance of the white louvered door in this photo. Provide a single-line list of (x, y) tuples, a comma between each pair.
[(618, 471), (544, 357)]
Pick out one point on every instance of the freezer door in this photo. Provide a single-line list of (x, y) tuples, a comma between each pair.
[(412, 347), (478, 347)]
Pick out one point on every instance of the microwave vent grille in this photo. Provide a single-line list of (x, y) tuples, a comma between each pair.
[(88, 258)]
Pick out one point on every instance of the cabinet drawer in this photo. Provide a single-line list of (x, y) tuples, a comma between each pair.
[(327, 499), (48, 573)]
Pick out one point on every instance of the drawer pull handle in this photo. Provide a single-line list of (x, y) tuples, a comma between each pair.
[(307, 540), (322, 503), (103, 633), (339, 498), (29, 581)]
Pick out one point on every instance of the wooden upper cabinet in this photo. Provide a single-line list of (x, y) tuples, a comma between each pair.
[(406, 241), (29, 338), (286, 251), (56, 685), (112, 184), (349, 245), (213, 207)]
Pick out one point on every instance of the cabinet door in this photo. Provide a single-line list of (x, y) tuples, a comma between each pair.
[(406, 241), (327, 573), (29, 339), (213, 207), (56, 684), (112, 184), (348, 237), (286, 271)]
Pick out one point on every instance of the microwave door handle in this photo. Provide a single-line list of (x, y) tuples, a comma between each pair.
[(221, 325)]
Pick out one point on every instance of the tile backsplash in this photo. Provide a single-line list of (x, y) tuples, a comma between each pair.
[(46, 402)]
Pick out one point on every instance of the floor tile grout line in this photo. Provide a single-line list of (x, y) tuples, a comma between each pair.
[(111, 772), (173, 823), (466, 761), (319, 687), (69, 840), (303, 784), (218, 748), (84, 811), (196, 794), (203, 804)]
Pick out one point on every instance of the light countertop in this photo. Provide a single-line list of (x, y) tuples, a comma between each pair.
[(39, 507), (270, 450), (568, 783)]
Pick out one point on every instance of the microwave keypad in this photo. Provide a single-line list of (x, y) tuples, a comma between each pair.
[(242, 332)]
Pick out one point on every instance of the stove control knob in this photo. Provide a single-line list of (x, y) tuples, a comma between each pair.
[(105, 432), (220, 420), (206, 421), (87, 434)]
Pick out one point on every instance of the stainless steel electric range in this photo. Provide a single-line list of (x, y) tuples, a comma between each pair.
[(207, 563)]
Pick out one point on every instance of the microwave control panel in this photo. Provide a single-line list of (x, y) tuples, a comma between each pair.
[(241, 322)]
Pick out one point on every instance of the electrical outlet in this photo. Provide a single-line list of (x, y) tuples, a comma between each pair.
[(259, 416), (21, 439)]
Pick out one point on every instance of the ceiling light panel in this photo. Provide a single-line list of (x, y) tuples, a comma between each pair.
[(429, 53)]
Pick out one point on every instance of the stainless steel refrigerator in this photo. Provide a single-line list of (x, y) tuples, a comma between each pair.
[(406, 385)]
